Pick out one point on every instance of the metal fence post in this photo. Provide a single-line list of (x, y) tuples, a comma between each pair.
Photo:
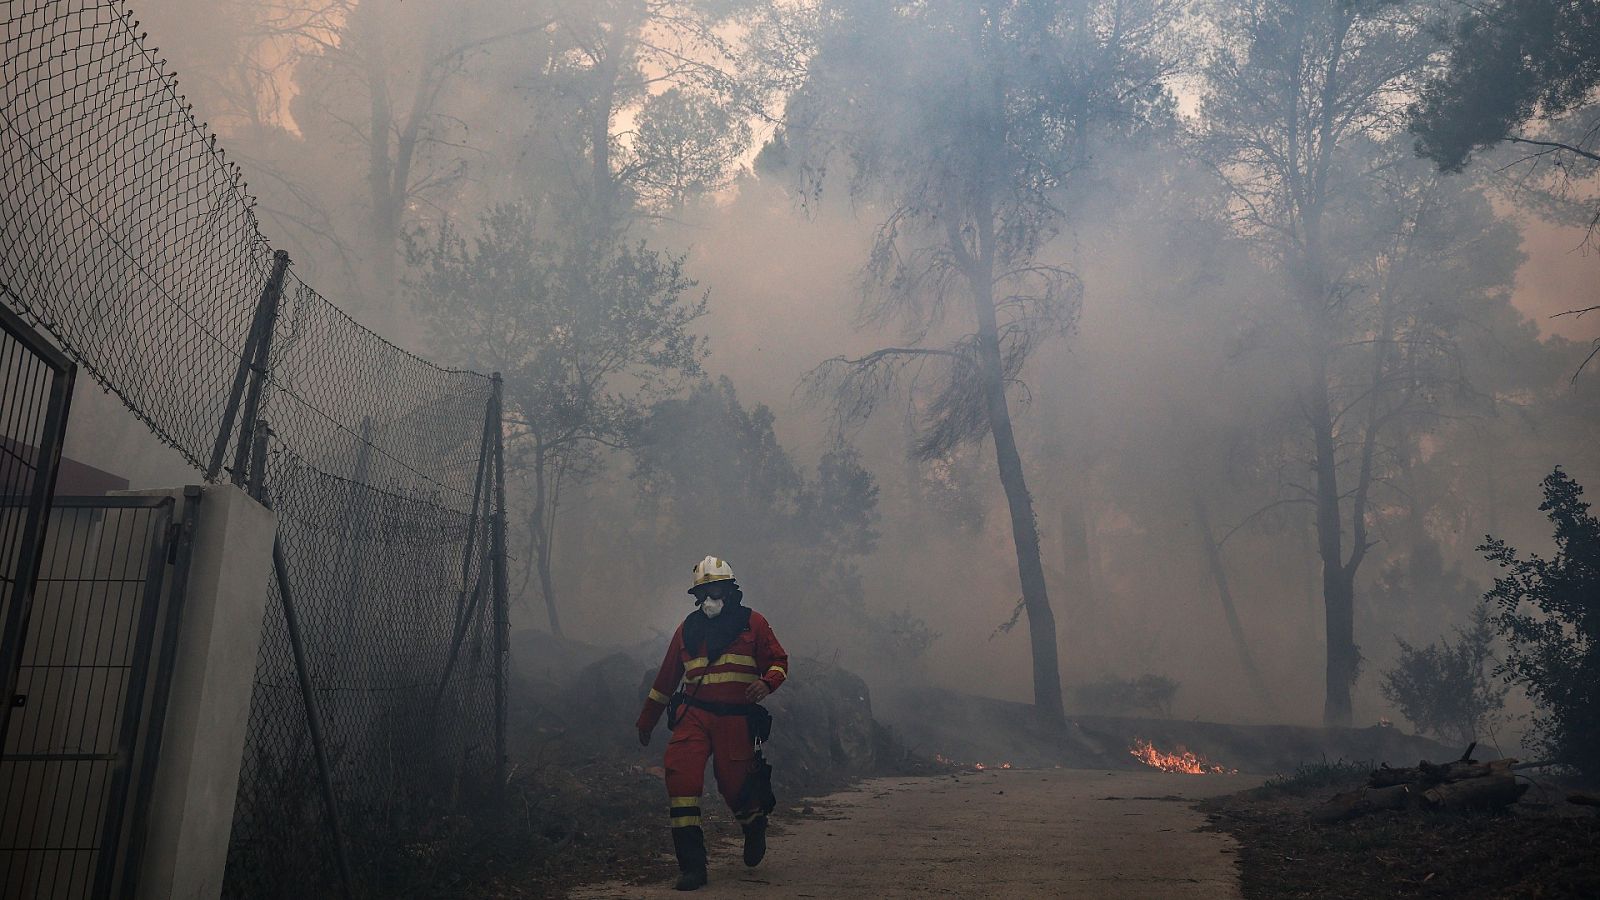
[(258, 461), (313, 717), (502, 630), (308, 697), (252, 358), (467, 603)]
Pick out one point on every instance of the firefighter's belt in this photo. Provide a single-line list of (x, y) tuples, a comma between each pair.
[(723, 709), (760, 718)]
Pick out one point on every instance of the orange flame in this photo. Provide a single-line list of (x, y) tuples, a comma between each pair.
[(1183, 761)]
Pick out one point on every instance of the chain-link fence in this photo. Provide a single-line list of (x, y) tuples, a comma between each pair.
[(126, 235)]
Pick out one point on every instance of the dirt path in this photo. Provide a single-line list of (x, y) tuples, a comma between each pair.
[(1019, 833)]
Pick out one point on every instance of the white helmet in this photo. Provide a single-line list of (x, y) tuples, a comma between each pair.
[(711, 569)]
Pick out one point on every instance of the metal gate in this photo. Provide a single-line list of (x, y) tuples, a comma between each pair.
[(35, 388), (92, 681)]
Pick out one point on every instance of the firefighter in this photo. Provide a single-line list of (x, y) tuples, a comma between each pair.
[(728, 661)]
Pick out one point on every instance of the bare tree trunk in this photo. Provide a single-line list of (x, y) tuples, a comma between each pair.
[(608, 68), (392, 141), (1342, 592), (538, 523), (1219, 574), (547, 582), (1024, 527), (1338, 596)]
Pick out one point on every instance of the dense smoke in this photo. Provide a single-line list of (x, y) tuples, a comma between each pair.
[(434, 169)]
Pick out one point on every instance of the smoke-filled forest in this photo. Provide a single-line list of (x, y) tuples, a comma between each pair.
[(1271, 311), (1183, 360)]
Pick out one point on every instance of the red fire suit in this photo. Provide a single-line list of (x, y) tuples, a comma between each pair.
[(754, 654)]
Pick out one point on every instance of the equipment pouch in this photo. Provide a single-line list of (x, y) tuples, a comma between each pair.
[(760, 724), (675, 709)]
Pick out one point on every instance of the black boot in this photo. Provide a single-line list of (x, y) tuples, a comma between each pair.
[(755, 841), (689, 843)]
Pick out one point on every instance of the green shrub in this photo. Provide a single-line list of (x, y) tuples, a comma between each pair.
[(1316, 777), (1449, 690), (1549, 614)]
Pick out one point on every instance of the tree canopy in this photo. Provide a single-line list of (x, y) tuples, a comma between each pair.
[(1511, 62)]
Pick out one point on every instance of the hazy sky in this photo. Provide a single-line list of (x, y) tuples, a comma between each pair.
[(1562, 272)]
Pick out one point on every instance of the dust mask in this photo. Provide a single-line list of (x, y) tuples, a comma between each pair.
[(712, 607)]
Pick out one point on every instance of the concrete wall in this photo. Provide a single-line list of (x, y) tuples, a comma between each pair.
[(191, 811)]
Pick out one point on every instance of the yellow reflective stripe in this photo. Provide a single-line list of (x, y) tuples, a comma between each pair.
[(677, 803), (724, 677), (721, 678), (658, 697), (779, 670), (726, 659)]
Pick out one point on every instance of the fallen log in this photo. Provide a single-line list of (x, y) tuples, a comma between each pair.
[(1582, 798), (1489, 792), (1362, 801), (1536, 764), (1428, 774)]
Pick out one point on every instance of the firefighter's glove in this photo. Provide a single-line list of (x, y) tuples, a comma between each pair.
[(644, 737), (757, 691)]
